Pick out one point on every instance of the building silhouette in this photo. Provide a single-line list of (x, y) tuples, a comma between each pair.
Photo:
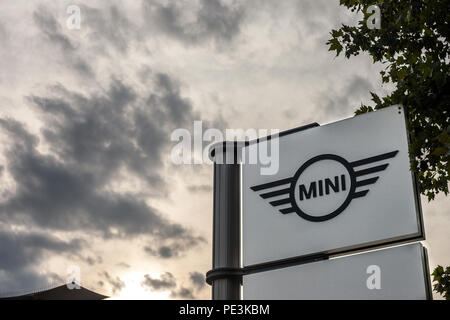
[(60, 293)]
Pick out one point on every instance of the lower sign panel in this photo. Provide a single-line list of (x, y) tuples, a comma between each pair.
[(394, 273)]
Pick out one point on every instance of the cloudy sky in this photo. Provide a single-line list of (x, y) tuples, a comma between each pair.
[(86, 117)]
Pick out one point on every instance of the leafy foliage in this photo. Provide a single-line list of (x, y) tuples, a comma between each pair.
[(412, 44), (442, 279)]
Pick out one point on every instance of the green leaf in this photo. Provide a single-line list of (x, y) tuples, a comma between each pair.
[(444, 138), (401, 73), (335, 46), (439, 151), (413, 46)]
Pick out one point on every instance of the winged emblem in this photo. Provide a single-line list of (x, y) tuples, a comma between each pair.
[(287, 194)]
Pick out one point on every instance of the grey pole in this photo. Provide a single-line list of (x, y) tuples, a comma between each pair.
[(225, 277)]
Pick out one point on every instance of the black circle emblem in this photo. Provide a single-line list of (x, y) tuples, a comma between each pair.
[(342, 207)]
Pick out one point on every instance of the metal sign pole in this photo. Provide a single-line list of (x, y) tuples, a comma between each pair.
[(226, 276)]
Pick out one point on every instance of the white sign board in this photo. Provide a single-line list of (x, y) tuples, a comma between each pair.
[(342, 186), (394, 273)]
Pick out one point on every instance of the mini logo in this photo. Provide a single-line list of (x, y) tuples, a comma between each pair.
[(323, 186)]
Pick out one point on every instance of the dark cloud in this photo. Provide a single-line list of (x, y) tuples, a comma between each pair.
[(116, 283), (183, 293), (200, 188), (172, 249), (15, 244), (108, 27), (197, 279), (50, 27), (165, 282), (89, 260), (21, 252), (92, 138), (56, 195), (54, 33), (123, 265), (92, 260), (315, 16), (81, 66), (3, 33), (339, 102), (211, 20)]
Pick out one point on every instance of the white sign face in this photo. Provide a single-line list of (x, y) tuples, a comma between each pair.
[(394, 273), (342, 186)]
